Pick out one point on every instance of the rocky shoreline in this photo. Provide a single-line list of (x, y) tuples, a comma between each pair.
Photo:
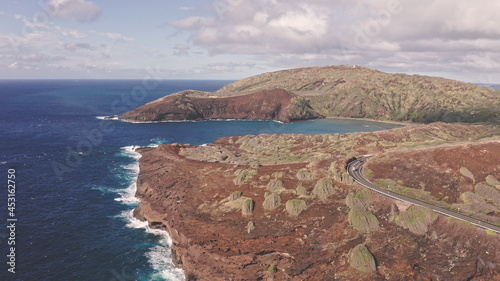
[(277, 105), (236, 211)]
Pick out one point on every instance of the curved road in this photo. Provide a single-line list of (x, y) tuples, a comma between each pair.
[(355, 169)]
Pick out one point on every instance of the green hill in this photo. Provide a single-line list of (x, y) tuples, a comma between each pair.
[(360, 92)]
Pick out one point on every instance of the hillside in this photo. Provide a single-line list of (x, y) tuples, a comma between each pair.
[(333, 91), (359, 92), (278, 105)]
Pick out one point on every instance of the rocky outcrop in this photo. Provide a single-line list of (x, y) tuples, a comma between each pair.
[(278, 105)]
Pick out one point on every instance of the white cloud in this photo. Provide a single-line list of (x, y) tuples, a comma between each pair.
[(113, 36), (39, 58), (117, 36), (78, 46), (193, 22), (387, 34), (211, 68), (33, 26), (301, 21), (185, 8), (181, 50), (69, 32), (77, 10)]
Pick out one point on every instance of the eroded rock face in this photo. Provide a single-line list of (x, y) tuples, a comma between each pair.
[(194, 201), (278, 105)]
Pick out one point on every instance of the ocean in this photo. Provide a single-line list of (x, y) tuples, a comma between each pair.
[(74, 175)]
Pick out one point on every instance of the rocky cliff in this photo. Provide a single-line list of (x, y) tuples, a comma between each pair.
[(268, 207), (278, 105)]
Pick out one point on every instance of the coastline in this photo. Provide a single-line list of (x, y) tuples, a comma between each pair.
[(116, 118), (376, 120), (159, 256), (189, 198)]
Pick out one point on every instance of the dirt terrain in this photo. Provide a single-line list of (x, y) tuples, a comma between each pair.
[(269, 207), (453, 174)]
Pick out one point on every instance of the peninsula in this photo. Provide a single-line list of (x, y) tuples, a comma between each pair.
[(331, 91)]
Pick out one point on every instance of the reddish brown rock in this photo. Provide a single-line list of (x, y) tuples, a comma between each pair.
[(190, 199), (278, 105)]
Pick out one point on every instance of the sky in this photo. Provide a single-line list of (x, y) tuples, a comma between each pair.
[(233, 39)]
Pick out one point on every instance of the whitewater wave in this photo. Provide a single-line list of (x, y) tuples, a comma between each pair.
[(105, 189), (107, 117), (127, 195), (159, 256), (158, 141), (188, 121)]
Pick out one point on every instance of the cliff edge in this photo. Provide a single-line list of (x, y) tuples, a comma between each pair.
[(277, 105)]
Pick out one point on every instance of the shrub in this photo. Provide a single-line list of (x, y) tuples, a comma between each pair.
[(295, 206), (361, 259), (275, 185), (359, 217), (477, 203), (247, 207), (304, 175), (491, 180), (235, 195), (243, 175), (417, 219), (250, 226), (358, 199), (324, 188), (278, 174), (490, 232), (301, 191), (272, 201), (353, 201), (488, 193), (467, 173), (362, 220), (272, 269)]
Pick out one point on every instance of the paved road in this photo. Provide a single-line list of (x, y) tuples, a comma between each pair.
[(355, 169)]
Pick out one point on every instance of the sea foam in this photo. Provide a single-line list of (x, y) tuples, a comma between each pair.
[(127, 196), (107, 117), (160, 255)]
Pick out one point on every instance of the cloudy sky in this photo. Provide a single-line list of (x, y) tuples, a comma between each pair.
[(232, 39)]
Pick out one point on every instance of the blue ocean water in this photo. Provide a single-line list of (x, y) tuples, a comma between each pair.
[(75, 175)]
